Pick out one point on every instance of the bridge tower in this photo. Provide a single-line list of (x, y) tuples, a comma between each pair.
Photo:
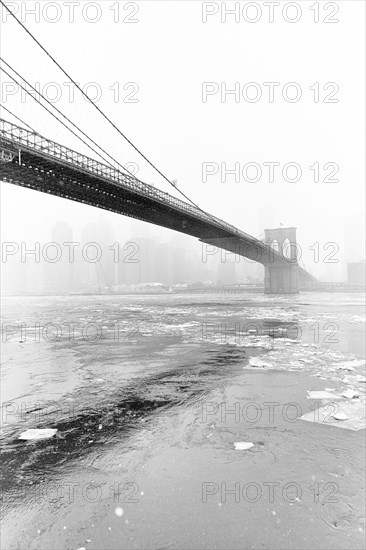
[(282, 279)]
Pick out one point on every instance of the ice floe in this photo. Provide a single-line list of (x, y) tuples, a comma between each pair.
[(351, 365), (350, 394), (340, 416), (257, 362), (347, 414), (35, 434), (243, 445), (322, 395)]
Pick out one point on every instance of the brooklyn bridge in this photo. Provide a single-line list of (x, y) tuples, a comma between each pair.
[(30, 160)]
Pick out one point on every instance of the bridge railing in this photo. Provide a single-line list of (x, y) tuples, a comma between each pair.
[(34, 141)]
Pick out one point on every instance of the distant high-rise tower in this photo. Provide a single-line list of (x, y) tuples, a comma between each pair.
[(354, 238), (98, 243), (57, 267)]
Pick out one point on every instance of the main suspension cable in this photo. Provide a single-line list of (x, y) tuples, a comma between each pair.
[(96, 106), (65, 117), (18, 118), (56, 117)]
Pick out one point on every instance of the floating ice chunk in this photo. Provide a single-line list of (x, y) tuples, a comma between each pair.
[(358, 362), (340, 416), (350, 394), (351, 365), (349, 415), (256, 362), (243, 445), (34, 434), (321, 395)]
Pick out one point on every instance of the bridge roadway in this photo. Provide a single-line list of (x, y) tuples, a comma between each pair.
[(33, 161)]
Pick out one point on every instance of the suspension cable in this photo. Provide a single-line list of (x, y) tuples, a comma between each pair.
[(70, 121), (96, 106), (18, 118), (55, 116)]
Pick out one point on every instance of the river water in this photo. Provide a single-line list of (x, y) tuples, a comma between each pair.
[(133, 384)]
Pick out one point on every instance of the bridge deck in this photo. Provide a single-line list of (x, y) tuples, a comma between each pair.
[(33, 161)]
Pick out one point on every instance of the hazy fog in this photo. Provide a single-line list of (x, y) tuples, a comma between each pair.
[(167, 55)]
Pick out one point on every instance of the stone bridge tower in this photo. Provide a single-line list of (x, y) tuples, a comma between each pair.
[(282, 279)]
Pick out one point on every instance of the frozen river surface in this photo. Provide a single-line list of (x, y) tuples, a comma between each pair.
[(149, 395)]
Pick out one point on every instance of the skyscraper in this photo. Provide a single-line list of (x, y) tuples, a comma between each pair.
[(57, 267)]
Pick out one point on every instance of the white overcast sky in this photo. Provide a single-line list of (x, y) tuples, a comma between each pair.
[(169, 53)]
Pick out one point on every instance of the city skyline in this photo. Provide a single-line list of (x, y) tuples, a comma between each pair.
[(143, 257)]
